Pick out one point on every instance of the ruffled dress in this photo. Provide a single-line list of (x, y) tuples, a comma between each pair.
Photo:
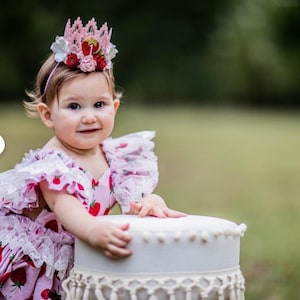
[(36, 255)]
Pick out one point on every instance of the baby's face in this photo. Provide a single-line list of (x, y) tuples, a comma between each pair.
[(83, 114)]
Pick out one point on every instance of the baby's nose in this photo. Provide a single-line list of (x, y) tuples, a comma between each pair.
[(88, 117)]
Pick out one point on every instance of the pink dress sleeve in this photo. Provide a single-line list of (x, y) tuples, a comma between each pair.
[(18, 187), (133, 165)]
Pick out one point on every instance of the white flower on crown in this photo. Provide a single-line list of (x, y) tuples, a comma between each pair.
[(112, 52), (61, 48)]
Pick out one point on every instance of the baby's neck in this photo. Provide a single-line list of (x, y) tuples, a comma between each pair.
[(91, 160)]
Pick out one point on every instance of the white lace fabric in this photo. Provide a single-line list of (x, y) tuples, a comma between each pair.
[(42, 245), (88, 285)]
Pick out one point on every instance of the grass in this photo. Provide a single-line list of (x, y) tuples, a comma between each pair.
[(238, 165)]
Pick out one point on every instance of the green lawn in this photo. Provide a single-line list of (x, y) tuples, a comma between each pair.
[(239, 165)]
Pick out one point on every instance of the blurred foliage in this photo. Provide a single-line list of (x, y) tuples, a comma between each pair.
[(220, 52)]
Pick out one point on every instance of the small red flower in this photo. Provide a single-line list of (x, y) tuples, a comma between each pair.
[(72, 60), (101, 62), (18, 277)]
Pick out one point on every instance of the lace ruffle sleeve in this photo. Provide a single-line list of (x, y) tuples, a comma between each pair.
[(133, 165), (18, 187)]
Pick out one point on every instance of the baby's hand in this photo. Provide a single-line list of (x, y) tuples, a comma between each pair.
[(154, 205), (111, 238)]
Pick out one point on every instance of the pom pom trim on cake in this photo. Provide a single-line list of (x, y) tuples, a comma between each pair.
[(83, 284), (193, 236)]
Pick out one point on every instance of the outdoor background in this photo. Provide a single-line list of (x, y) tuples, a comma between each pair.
[(218, 81)]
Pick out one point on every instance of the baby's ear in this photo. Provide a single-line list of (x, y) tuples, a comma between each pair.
[(45, 114), (116, 104)]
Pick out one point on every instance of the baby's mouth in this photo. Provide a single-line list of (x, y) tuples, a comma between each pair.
[(88, 130)]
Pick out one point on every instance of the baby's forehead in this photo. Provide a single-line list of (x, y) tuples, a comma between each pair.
[(95, 79), (87, 85)]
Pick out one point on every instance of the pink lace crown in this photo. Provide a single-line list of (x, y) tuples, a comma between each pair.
[(85, 47)]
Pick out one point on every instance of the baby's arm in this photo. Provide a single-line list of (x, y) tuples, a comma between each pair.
[(154, 205), (111, 238)]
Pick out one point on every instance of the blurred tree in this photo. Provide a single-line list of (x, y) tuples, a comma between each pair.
[(217, 51), (247, 52), (157, 41)]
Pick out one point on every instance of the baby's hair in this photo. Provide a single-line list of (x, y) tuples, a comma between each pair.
[(47, 88)]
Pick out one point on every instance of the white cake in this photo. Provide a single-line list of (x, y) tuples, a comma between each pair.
[(193, 257)]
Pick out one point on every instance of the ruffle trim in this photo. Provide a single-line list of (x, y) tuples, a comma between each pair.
[(131, 159), (42, 245), (133, 165), (18, 186)]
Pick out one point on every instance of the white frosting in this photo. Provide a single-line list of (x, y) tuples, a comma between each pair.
[(193, 255)]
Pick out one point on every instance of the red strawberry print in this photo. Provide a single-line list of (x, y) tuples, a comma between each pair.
[(95, 183), (123, 145), (56, 180), (29, 261), (94, 208), (1, 250), (80, 187), (18, 277), (110, 182), (42, 270), (52, 225), (12, 257), (48, 294), (3, 278), (45, 293)]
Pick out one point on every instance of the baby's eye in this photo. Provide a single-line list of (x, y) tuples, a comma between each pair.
[(74, 106), (99, 104)]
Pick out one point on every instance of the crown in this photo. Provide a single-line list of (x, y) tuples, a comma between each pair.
[(85, 47)]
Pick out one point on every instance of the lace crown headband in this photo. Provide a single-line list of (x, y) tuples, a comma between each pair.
[(84, 47)]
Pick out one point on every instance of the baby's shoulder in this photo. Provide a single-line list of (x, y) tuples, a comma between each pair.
[(130, 143), (48, 157)]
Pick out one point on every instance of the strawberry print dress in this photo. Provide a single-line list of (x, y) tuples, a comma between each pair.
[(37, 255)]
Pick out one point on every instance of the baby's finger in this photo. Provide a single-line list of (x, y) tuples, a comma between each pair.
[(117, 252), (159, 212), (145, 211), (119, 242), (174, 213), (135, 207), (123, 233)]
